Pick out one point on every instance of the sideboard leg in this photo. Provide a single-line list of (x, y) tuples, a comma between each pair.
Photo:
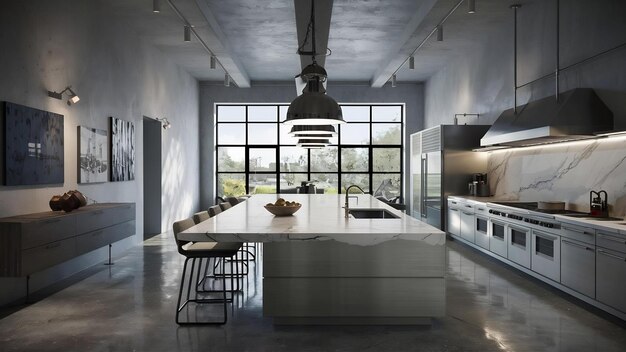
[(109, 262)]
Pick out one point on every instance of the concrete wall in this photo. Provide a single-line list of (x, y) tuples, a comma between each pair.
[(47, 45), (482, 82), (211, 93)]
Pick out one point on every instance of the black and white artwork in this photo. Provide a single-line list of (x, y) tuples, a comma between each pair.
[(122, 150), (94, 155), (33, 146)]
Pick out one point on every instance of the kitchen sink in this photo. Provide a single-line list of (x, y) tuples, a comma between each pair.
[(372, 214)]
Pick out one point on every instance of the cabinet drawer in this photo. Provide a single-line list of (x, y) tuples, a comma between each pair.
[(611, 241), (100, 238), (610, 273), (578, 233), (38, 233), (104, 217), (578, 266), (42, 257)]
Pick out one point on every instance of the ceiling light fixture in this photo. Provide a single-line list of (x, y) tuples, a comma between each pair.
[(313, 142), (437, 29), (226, 80), (73, 97), (471, 6), (312, 129), (313, 107), (156, 6), (315, 136), (393, 80), (212, 63), (187, 33)]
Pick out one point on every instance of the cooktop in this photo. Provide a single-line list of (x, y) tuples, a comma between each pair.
[(534, 206)]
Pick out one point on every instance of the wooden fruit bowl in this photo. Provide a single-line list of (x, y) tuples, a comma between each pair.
[(283, 210)]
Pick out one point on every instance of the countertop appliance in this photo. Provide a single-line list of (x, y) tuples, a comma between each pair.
[(442, 163), (598, 204), (479, 187)]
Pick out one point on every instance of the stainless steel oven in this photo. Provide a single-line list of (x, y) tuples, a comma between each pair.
[(519, 245), (546, 254)]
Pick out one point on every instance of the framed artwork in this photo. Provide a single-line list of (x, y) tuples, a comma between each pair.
[(93, 158), (33, 146), (122, 150)]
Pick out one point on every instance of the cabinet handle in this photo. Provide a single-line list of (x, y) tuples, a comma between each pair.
[(578, 231), (467, 213), (51, 221), (97, 212), (577, 245), (481, 209), (469, 206), (452, 209), (452, 202), (611, 255), (612, 239), (52, 245)]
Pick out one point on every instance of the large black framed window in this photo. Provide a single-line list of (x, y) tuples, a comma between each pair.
[(255, 154)]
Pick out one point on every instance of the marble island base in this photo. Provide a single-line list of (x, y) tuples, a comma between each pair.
[(329, 282)]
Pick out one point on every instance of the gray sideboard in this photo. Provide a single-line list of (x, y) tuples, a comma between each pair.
[(33, 242)]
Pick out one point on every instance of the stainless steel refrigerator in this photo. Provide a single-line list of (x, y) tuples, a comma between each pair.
[(442, 164)]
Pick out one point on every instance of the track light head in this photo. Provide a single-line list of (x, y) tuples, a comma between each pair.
[(471, 6), (165, 123), (393, 80), (411, 63), (73, 97), (187, 33), (439, 33), (156, 6), (213, 62), (226, 80)]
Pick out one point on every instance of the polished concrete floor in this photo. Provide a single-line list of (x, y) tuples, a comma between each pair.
[(130, 307)]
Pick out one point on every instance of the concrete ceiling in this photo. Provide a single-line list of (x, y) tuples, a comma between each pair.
[(257, 40)]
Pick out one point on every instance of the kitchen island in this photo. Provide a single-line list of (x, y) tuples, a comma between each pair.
[(322, 268)]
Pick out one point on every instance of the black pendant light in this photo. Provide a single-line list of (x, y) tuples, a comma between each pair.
[(312, 129), (316, 143), (313, 106)]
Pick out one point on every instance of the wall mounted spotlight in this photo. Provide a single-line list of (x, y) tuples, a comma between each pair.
[(411, 62), (164, 122), (187, 33), (471, 6), (439, 33), (156, 6), (213, 62), (73, 97)]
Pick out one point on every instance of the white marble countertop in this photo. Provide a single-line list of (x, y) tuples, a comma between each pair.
[(616, 226), (320, 218)]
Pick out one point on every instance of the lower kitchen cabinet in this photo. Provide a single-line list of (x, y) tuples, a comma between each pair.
[(519, 245), (481, 232), (578, 266), (454, 221), (467, 226), (611, 271), (498, 238), (546, 254)]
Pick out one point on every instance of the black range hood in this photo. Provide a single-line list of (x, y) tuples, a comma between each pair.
[(579, 114)]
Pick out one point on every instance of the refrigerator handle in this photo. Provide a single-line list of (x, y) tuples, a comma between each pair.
[(424, 184)]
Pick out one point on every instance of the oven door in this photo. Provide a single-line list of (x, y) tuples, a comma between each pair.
[(519, 245), (546, 254)]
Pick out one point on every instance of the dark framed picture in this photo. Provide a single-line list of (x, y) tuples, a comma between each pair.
[(122, 150), (93, 158), (33, 146)]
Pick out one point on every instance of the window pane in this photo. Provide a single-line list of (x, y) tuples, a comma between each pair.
[(262, 183), (231, 133), (282, 112), (354, 159), (386, 159), (289, 182), (328, 182), (262, 113), (231, 185), (355, 133), (231, 159), (293, 159), (262, 133), (386, 185), (361, 180), (324, 159), (356, 113), (387, 113), (227, 113), (386, 133), (262, 159), (285, 138)]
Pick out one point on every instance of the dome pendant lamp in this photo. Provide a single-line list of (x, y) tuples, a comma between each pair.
[(312, 129), (313, 106)]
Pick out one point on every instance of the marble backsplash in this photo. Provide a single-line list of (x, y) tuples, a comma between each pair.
[(562, 172)]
